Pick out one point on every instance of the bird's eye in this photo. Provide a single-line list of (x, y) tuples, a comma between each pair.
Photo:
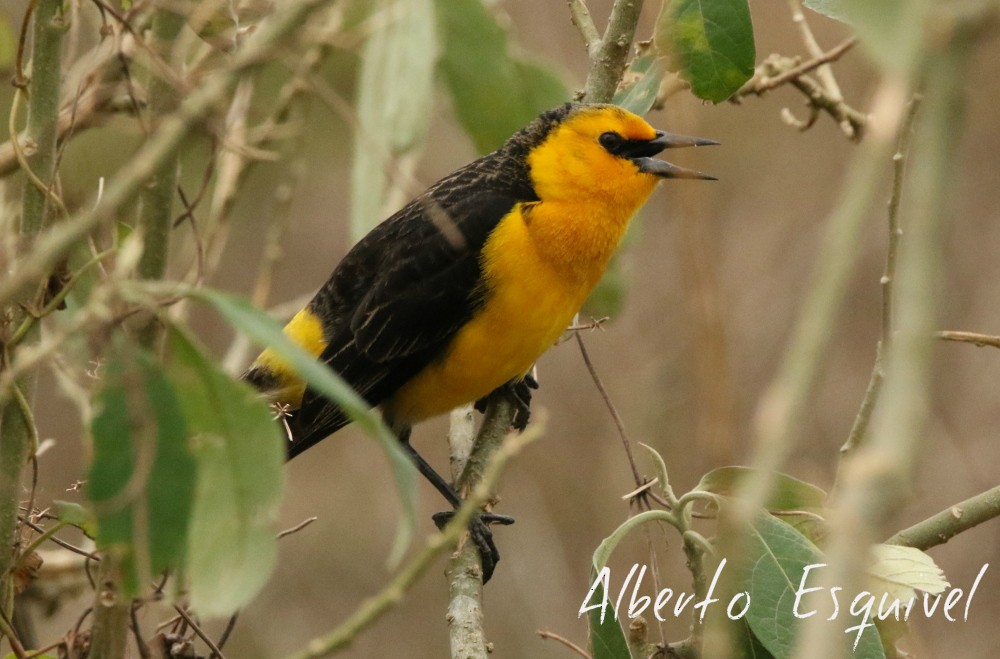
[(611, 141)]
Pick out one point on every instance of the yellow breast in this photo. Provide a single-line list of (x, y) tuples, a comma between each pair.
[(539, 266)]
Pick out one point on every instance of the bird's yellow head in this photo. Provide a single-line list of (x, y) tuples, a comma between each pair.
[(602, 150)]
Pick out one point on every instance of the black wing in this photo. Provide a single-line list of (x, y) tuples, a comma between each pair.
[(400, 295)]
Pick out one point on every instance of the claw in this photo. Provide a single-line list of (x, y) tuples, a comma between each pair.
[(520, 392), (479, 533)]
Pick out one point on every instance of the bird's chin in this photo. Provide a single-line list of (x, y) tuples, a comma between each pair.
[(664, 169)]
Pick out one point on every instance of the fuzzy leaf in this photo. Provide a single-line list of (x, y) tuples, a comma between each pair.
[(395, 99), (240, 455), (646, 73), (789, 493), (263, 330), (140, 482), (898, 570), (775, 562)]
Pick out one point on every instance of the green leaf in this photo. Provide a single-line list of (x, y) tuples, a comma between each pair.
[(141, 480), (494, 91), (776, 559), (395, 99), (749, 646), (645, 73), (898, 570), (713, 42), (891, 31), (607, 639), (34, 656), (240, 454), (789, 493), (76, 515), (607, 546), (262, 329)]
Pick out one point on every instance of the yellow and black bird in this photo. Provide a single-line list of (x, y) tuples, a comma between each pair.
[(459, 293)]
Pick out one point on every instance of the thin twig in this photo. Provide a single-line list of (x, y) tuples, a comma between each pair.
[(545, 634), (140, 642), (759, 85), (62, 543), (778, 70), (225, 633), (196, 628), (812, 46), (860, 426), (7, 631), (298, 527), (619, 423), (878, 477), (979, 340)]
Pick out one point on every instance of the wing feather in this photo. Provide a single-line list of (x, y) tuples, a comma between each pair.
[(398, 298)]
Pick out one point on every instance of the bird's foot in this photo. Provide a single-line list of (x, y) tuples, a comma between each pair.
[(480, 533), (519, 391)]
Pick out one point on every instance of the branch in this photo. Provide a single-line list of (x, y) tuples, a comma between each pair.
[(877, 477), (546, 634), (111, 607), (464, 570), (786, 400), (608, 58), (580, 15), (154, 215), (157, 194), (109, 632), (764, 81), (373, 608), (863, 417), (951, 521), (16, 427)]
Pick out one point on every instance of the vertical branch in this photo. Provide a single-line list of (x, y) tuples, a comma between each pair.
[(155, 203), (43, 113), (17, 430), (464, 572), (856, 435), (877, 476), (785, 402), (109, 632), (609, 55)]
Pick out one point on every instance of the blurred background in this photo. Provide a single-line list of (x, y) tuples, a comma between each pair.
[(710, 285)]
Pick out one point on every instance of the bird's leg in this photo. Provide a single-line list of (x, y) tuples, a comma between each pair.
[(519, 391), (479, 530)]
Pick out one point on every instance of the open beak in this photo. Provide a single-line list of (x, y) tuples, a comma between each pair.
[(642, 154)]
